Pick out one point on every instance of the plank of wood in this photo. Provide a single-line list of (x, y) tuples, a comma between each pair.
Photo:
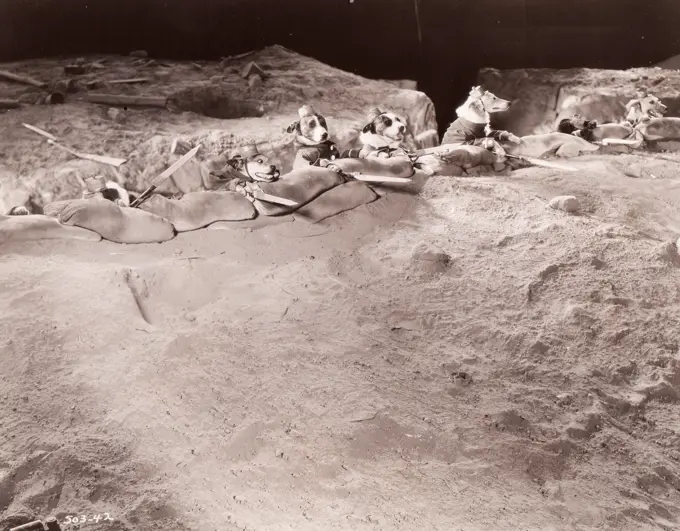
[(163, 176), (258, 194), (130, 81), (127, 101), (380, 179), (40, 132), (9, 104), (25, 80), (111, 161)]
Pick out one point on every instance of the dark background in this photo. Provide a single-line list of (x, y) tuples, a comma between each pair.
[(374, 38)]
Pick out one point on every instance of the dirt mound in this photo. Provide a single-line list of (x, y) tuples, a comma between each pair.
[(209, 103), (542, 97)]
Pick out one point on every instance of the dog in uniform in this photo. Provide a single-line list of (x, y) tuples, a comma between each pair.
[(472, 125), (312, 139), (382, 135)]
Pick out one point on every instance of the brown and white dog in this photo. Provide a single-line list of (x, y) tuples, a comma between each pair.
[(18, 211), (643, 108), (383, 135), (244, 168), (112, 191), (472, 125), (312, 139)]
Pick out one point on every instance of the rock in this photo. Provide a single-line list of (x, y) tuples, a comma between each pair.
[(140, 54), (279, 453), (668, 252), (255, 81), (566, 203), (426, 252), (251, 69)]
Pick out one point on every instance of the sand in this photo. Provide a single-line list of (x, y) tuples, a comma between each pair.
[(465, 359)]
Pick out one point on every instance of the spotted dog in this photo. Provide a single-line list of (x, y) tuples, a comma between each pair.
[(577, 125), (113, 192), (18, 211), (312, 139), (382, 135)]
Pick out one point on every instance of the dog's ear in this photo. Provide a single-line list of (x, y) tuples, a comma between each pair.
[(292, 127), (477, 105), (369, 128), (237, 162)]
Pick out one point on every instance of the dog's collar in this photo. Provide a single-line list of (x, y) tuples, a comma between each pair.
[(378, 141), (304, 141)]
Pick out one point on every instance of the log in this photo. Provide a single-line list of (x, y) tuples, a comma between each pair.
[(130, 81), (379, 178), (127, 101), (10, 104), (25, 80)]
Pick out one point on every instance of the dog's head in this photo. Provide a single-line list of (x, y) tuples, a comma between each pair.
[(115, 193), (251, 163), (311, 126), (652, 106), (18, 211), (488, 101), (386, 124)]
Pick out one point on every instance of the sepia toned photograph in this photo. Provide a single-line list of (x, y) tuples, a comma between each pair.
[(339, 265)]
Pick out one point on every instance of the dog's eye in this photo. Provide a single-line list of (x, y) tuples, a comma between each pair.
[(387, 121), (259, 161), (322, 122)]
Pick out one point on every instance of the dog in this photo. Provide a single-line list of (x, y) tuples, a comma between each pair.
[(382, 135), (312, 139), (593, 132), (18, 211), (243, 170), (113, 192), (472, 125), (641, 110), (577, 125)]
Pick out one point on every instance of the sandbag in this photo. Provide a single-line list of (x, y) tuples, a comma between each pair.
[(31, 228), (660, 129), (389, 167), (112, 222), (339, 199), (301, 186), (467, 156), (199, 209)]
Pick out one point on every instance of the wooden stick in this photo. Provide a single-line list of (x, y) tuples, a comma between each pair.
[(260, 195), (40, 132), (10, 104), (25, 80), (617, 141), (128, 81), (163, 176), (131, 101), (380, 178), (541, 162), (111, 161)]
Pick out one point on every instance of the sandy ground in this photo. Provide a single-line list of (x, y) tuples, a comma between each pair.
[(319, 377), (311, 377)]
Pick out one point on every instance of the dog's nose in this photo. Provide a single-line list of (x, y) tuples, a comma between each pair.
[(324, 136), (272, 168), (402, 129)]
